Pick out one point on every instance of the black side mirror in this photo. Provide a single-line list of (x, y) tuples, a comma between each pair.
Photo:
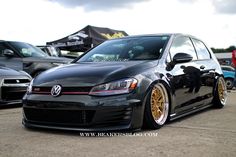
[(179, 58), (182, 58), (8, 53)]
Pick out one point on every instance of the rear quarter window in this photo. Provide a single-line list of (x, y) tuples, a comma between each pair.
[(202, 51), (182, 44)]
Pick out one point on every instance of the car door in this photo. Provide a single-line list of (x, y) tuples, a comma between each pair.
[(14, 61), (185, 77), (207, 67)]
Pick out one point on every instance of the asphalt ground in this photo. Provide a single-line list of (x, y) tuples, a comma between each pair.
[(211, 132)]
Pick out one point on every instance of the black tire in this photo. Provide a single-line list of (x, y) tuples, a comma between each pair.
[(229, 83), (156, 109), (220, 95)]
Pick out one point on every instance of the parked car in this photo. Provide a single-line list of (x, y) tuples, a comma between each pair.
[(127, 83), (13, 85), (56, 52), (229, 74), (23, 56), (51, 51), (71, 54)]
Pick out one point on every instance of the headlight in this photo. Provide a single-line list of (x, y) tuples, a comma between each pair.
[(113, 88), (29, 89)]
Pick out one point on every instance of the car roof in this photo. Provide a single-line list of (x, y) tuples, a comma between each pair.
[(131, 36), (158, 34), (13, 41)]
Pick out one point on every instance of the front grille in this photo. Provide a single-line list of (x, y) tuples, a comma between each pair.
[(69, 117), (65, 90), (113, 117), (106, 117), (13, 89), (15, 81), (12, 93), (53, 104)]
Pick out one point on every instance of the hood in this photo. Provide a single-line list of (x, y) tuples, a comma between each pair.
[(90, 74), (47, 60), (4, 71)]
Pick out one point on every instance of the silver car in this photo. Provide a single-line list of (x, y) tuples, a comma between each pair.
[(13, 85)]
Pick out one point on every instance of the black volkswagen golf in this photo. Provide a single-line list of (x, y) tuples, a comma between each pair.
[(127, 83)]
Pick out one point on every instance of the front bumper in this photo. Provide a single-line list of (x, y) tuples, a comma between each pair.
[(12, 89), (82, 112)]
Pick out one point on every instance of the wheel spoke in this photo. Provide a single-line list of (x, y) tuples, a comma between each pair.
[(222, 91), (157, 103)]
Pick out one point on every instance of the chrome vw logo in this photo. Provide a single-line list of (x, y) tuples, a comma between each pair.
[(56, 90)]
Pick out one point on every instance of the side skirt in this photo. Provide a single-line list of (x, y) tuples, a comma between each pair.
[(193, 110)]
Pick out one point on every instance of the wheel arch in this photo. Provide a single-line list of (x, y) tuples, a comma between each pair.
[(216, 82), (230, 78), (168, 90)]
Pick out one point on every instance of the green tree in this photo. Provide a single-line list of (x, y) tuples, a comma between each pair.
[(221, 50)]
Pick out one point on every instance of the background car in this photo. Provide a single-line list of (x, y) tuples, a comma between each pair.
[(127, 83), (56, 52), (51, 51), (229, 74), (13, 85), (26, 57)]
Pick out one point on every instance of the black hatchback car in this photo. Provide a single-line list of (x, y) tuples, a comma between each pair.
[(127, 83), (24, 56)]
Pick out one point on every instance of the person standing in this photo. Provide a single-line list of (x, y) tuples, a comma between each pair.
[(234, 64)]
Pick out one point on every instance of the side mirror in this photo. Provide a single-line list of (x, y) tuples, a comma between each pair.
[(8, 53), (179, 58), (182, 58)]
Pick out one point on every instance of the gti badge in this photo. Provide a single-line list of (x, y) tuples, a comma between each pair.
[(56, 90)]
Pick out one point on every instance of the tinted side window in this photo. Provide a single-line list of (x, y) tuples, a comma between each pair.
[(182, 44), (202, 51)]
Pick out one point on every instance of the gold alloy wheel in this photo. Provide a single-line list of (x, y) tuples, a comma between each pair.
[(159, 104), (222, 91)]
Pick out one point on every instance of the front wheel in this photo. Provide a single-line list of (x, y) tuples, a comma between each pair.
[(220, 95), (157, 107)]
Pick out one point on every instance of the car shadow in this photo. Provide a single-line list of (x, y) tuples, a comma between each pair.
[(82, 133), (10, 106)]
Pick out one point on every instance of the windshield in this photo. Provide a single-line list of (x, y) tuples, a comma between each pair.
[(139, 48), (28, 50)]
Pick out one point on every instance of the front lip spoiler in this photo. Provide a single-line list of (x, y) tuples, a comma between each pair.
[(27, 124)]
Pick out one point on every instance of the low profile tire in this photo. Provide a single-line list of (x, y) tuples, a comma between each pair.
[(157, 107), (220, 95), (229, 83)]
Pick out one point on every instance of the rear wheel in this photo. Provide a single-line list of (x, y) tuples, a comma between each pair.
[(220, 96), (157, 107), (229, 83)]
